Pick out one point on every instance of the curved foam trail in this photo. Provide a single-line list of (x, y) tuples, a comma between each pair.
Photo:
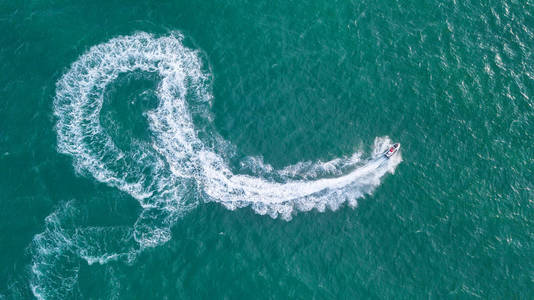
[(184, 92), (176, 169), (57, 251), (282, 198)]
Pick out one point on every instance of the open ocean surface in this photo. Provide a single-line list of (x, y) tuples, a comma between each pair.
[(232, 149)]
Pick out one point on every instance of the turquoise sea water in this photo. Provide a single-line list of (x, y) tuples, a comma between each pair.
[(230, 149)]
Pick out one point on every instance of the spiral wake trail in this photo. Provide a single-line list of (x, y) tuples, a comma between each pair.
[(176, 170)]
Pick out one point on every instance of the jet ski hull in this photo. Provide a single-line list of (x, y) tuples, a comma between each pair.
[(392, 150)]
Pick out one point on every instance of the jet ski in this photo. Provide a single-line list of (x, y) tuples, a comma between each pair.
[(392, 150)]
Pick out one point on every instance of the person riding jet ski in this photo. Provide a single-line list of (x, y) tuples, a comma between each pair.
[(392, 150)]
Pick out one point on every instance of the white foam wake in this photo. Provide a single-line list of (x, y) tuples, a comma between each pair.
[(186, 161), (57, 251), (179, 152)]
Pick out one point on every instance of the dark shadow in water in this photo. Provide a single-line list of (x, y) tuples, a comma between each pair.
[(126, 101)]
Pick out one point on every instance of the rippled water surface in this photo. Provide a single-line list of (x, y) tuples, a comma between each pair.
[(232, 149)]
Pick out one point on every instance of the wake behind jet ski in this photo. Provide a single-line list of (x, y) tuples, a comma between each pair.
[(392, 150)]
